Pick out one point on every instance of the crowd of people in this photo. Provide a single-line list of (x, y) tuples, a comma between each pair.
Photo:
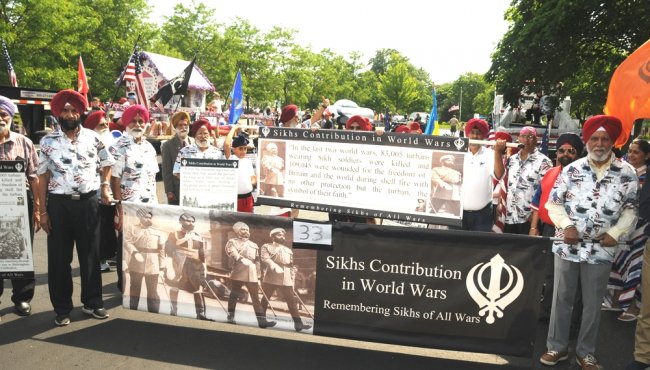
[(592, 203)]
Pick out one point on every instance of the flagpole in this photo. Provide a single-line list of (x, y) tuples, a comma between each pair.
[(460, 106), (119, 83)]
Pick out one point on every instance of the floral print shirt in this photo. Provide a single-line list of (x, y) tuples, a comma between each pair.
[(524, 177), (136, 166), (73, 164), (594, 206)]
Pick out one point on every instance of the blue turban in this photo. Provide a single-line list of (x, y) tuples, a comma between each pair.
[(7, 105)]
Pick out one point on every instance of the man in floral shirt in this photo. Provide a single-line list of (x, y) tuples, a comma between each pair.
[(525, 171), (69, 161), (134, 171), (592, 204)]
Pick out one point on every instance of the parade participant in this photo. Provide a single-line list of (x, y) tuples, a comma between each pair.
[(14, 146), (272, 170), (134, 171), (485, 166), (201, 131), (359, 123), (169, 151), (625, 278), (642, 334), (187, 250), (216, 104), (280, 274), (289, 116), (243, 257), (453, 125), (525, 171), (97, 122), (246, 178), (70, 159), (145, 253), (592, 204), (569, 148)]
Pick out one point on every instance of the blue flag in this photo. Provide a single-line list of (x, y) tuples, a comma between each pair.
[(432, 123), (236, 101), (544, 145)]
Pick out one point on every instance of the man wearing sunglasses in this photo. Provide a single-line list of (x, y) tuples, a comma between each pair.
[(525, 171), (569, 148)]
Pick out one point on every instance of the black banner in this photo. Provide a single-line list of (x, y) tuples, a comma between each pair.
[(464, 291)]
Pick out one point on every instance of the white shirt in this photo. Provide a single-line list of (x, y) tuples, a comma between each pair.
[(244, 174), (477, 180)]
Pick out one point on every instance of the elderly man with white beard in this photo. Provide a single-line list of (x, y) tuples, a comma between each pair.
[(169, 151), (202, 132), (592, 205), (134, 172)]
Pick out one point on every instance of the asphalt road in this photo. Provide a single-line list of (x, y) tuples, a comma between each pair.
[(135, 339)]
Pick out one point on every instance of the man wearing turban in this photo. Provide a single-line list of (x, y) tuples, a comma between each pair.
[(446, 186), (70, 159), (14, 146), (485, 166), (169, 152), (593, 203), (134, 171)]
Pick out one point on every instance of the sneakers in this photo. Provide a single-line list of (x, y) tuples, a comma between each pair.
[(98, 313), (105, 267), (551, 358), (62, 320), (588, 362)]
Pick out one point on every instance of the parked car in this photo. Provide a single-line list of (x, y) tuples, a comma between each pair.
[(348, 108), (424, 116)]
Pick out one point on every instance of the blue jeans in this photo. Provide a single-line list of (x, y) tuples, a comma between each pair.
[(481, 220)]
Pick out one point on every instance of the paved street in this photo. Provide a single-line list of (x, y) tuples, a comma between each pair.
[(135, 339)]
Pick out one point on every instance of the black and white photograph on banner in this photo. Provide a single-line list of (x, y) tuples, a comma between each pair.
[(16, 258), (219, 266), (361, 174), (208, 183), (446, 184), (476, 292), (272, 169)]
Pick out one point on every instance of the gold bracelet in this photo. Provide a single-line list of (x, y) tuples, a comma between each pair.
[(533, 228)]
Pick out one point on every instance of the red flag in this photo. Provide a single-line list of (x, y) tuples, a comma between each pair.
[(628, 97), (82, 80)]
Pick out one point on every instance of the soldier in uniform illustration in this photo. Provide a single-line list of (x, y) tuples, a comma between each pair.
[(280, 274), (244, 261), (446, 184)]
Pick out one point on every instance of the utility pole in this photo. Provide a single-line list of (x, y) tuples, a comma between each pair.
[(460, 105)]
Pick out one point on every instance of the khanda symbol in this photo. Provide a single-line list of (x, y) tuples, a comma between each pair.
[(459, 143), (494, 298), (265, 131)]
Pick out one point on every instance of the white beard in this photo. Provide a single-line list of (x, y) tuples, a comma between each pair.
[(599, 158), (135, 133), (182, 135), (203, 144), (3, 129)]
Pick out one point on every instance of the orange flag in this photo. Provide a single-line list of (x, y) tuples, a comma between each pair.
[(629, 91), (82, 80)]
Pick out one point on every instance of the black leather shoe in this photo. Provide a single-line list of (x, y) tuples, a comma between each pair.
[(23, 309), (300, 327), (266, 324)]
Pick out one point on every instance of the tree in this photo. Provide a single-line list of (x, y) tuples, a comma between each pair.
[(576, 42)]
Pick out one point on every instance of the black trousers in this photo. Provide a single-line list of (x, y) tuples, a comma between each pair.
[(73, 222), (236, 292), (151, 280), (108, 238), (287, 295), (23, 289)]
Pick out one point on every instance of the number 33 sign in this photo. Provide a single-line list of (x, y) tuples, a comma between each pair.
[(312, 233)]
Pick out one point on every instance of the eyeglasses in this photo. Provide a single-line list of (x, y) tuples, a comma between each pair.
[(567, 150), (528, 137)]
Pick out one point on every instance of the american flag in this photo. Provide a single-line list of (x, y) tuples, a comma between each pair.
[(134, 81), (10, 67)]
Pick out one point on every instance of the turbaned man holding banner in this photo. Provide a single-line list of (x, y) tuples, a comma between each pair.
[(592, 204), (14, 146)]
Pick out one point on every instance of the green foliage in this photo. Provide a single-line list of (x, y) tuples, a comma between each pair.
[(576, 42)]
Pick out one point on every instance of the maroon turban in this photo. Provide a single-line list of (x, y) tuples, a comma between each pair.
[(198, 124), (288, 113), (114, 126), (502, 135), (415, 128), (93, 119), (132, 111), (364, 123), (479, 124), (403, 129), (611, 124), (64, 97)]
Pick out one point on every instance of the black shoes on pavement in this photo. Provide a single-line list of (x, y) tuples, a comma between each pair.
[(23, 309)]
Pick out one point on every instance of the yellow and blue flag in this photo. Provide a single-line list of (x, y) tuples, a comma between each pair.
[(432, 124)]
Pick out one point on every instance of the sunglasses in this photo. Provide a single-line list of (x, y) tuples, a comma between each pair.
[(567, 150), (355, 127)]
